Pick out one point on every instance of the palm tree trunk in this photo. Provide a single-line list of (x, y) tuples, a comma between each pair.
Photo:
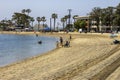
[(66, 22), (32, 25)]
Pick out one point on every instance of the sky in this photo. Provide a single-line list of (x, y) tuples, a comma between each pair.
[(48, 7)]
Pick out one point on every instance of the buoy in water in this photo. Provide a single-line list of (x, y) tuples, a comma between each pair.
[(39, 42)]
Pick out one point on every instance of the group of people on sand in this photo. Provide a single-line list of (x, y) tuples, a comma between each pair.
[(63, 43)]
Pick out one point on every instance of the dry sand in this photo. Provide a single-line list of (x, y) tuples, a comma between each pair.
[(89, 57)]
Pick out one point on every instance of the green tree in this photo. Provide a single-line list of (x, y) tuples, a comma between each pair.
[(21, 19), (95, 15), (69, 27), (117, 16), (80, 24), (54, 16), (74, 17), (3, 25), (107, 16), (9, 23)]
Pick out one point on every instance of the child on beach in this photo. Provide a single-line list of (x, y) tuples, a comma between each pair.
[(57, 44)]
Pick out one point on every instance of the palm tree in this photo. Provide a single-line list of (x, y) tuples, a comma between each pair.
[(54, 16), (32, 20), (28, 11), (74, 17), (63, 21), (43, 20), (23, 11), (39, 20), (66, 18)]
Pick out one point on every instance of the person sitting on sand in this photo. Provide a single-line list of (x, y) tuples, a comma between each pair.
[(67, 44)]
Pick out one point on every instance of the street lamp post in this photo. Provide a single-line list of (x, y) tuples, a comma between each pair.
[(100, 24), (50, 25), (69, 10)]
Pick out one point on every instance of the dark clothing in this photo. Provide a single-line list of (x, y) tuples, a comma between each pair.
[(70, 37), (67, 44), (116, 42), (61, 40)]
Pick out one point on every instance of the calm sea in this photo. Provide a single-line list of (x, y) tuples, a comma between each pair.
[(14, 48)]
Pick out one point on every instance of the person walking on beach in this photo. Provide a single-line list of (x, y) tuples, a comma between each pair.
[(70, 37), (61, 41)]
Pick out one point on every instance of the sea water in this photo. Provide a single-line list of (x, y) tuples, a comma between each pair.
[(14, 48)]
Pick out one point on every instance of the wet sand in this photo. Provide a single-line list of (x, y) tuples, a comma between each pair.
[(90, 56)]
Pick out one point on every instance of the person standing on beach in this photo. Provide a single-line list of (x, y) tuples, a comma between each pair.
[(36, 35), (70, 37), (61, 41)]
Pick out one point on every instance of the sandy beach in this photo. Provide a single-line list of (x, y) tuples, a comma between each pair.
[(91, 56)]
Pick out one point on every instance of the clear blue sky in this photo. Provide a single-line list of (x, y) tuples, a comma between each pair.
[(47, 7)]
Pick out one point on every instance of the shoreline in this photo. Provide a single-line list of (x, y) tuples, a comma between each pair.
[(27, 59), (86, 50)]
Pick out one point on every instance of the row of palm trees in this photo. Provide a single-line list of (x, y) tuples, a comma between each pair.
[(23, 18), (107, 16), (54, 16), (42, 19)]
